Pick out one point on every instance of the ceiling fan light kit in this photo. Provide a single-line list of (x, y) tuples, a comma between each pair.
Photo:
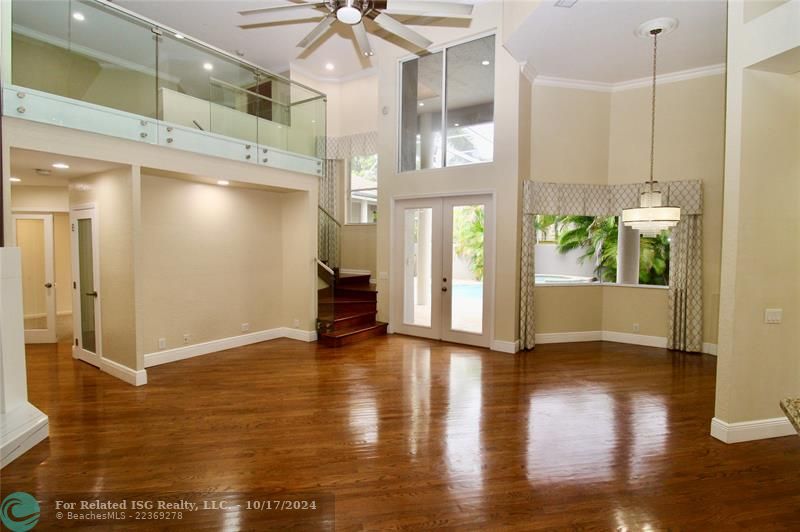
[(381, 12)]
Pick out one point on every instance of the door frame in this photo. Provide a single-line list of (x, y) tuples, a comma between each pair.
[(81, 212), (48, 334), (490, 252)]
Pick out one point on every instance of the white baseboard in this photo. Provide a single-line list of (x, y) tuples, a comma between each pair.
[(564, 337), (214, 346), (636, 339), (20, 430), (758, 429), (298, 334), (131, 376), (505, 346), (612, 336)]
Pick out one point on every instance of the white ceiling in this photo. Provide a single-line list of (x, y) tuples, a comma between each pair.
[(595, 41), (273, 47), (25, 162)]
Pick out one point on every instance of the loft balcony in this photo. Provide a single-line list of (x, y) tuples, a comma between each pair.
[(97, 67)]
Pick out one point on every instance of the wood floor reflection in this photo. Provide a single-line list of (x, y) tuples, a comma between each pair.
[(419, 434)]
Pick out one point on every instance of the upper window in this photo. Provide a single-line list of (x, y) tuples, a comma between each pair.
[(460, 81), (586, 249), (362, 195)]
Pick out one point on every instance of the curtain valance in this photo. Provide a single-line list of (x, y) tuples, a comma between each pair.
[(352, 145), (605, 200)]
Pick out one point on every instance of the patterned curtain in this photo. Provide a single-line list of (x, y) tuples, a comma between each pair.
[(685, 331), (527, 333)]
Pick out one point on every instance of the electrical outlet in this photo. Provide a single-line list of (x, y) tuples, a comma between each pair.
[(296, 323), (245, 327), (635, 327), (773, 316), (162, 343), (186, 338)]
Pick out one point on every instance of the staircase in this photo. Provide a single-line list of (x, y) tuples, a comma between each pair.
[(347, 310)]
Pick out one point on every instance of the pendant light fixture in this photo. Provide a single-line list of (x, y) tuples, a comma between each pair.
[(651, 217)]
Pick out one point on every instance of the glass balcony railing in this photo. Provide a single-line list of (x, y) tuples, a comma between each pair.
[(101, 54)]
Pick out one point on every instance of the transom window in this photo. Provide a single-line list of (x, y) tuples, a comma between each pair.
[(451, 91)]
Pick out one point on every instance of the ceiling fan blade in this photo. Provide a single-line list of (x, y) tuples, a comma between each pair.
[(401, 30), (429, 9), (278, 7), (363, 40), (317, 32)]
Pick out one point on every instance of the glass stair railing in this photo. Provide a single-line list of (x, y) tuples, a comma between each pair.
[(92, 65)]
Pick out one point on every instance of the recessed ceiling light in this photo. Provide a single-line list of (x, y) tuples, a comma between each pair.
[(178, 36), (329, 66), (61, 166), (208, 66), (223, 182), (15, 180), (457, 124), (486, 62), (422, 104), (78, 16)]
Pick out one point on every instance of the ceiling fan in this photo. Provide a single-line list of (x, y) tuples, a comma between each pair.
[(382, 12)]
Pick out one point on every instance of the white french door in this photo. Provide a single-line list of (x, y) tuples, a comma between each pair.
[(87, 344), (443, 268), (33, 234)]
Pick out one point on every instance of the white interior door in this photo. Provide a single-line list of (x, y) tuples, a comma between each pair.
[(443, 268), (33, 234), (87, 344)]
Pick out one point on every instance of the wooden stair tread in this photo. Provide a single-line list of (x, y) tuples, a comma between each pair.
[(340, 300), (347, 315), (351, 331)]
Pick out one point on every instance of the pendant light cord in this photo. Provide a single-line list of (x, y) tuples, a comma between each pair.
[(654, 33)]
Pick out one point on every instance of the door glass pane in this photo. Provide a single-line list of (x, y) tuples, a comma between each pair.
[(467, 275), (31, 241), (417, 267), (421, 130), (470, 102), (86, 272)]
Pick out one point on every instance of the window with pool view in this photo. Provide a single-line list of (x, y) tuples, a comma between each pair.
[(362, 197), (586, 249)]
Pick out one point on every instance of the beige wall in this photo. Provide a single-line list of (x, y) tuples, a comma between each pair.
[(113, 193), (582, 136), (359, 247), (559, 309), (39, 199), (211, 261)]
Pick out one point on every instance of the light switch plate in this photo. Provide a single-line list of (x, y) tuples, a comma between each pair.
[(773, 315)]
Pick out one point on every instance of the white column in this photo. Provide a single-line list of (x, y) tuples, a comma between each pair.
[(21, 424), (627, 255)]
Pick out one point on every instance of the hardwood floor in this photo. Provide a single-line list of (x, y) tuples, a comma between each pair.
[(414, 434)]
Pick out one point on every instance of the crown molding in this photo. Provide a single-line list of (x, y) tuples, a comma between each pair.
[(599, 86)]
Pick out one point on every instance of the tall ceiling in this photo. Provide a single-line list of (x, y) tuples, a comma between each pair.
[(594, 40)]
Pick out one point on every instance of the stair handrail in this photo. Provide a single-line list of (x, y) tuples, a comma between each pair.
[(325, 266), (329, 215)]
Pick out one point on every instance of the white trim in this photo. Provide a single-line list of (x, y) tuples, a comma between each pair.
[(599, 283), (123, 373), (505, 346), (349, 271), (565, 337), (600, 86), (636, 339), (758, 429), (214, 346), (20, 430), (613, 336)]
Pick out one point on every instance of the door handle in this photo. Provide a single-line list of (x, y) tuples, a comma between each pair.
[(93, 294), (444, 289), (48, 285)]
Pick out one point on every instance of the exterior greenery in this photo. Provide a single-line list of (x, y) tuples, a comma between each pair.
[(468, 223), (597, 237)]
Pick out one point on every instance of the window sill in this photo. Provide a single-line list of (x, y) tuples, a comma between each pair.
[(574, 285), (359, 224)]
